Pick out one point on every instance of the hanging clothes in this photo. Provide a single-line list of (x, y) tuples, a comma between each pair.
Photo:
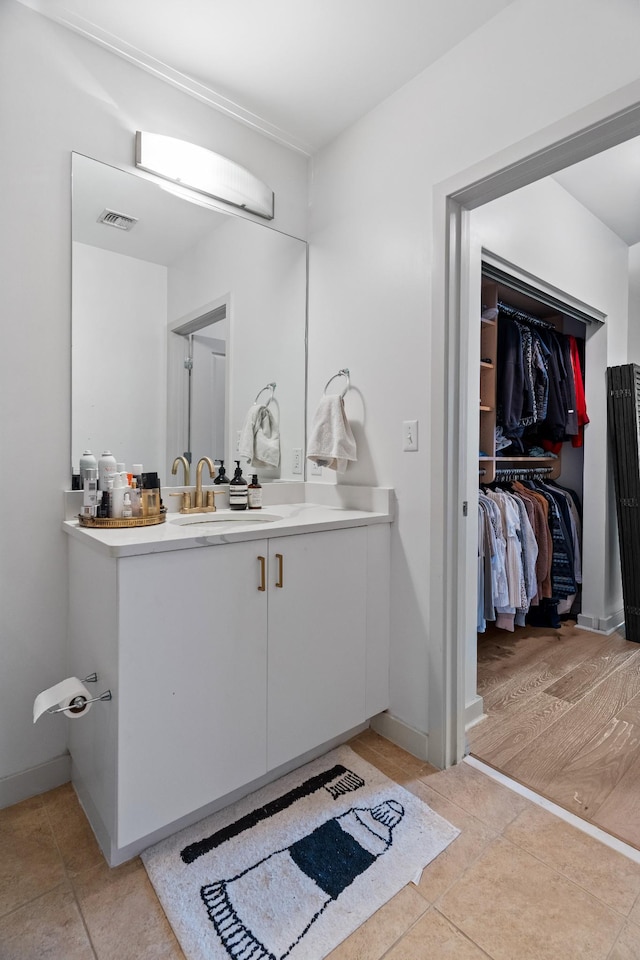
[(540, 400), (581, 405), (529, 554)]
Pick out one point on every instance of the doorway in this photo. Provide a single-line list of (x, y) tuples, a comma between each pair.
[(568, 143), (197, 377), (558, 709)]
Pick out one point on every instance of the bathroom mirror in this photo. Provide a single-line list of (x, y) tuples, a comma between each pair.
[(182, 314)]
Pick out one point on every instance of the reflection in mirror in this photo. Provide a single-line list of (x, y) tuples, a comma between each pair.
[(181, 314)]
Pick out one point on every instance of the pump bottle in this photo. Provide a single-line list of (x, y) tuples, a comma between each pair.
[(222, 477), (238, 490), (254, 494), (120, 487)]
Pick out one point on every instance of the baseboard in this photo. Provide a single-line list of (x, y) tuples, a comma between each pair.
[(604, 625), (400, 733), (30, 783), (474, 712)]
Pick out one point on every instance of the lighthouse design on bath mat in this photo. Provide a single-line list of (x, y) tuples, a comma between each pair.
[(309, 875)]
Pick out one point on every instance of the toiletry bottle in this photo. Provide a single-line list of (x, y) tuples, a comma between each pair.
[(254, 494), (151, 494), (127, 509), (106, 499), (90, 499), (238, 490), (136, 503), (106, 468), (120, 487), (136, 470), (222, 477), (87, 462)]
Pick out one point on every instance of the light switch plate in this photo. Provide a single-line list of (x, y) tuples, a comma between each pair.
[(410, 435)]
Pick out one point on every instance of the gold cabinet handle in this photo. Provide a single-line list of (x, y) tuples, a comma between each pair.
[(279, 581), (263, 574)]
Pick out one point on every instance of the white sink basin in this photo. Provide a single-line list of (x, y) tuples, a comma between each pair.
[(225, 516)]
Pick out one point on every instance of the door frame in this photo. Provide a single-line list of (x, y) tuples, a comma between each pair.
[(603, 124)]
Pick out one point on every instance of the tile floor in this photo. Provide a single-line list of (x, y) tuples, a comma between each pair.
[(517, 884)]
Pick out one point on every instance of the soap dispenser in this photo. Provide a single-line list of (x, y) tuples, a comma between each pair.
[(222, 477), (238, 490), (254, 494)]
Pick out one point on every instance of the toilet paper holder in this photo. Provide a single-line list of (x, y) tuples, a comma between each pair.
[(79, 703)]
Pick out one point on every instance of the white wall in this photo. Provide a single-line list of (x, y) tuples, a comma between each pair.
[(120, 402), (547, 233), (58, 93), (371, 226), (634, 304)]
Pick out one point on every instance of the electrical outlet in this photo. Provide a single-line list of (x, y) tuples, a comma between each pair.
[(316, 469), (238, 435), (410, 435), (296, 466)]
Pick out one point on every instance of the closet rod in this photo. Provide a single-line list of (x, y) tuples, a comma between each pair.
[(522, 473), (516, 314)]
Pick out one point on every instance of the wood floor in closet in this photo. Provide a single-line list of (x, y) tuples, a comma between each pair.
[(563, 718)]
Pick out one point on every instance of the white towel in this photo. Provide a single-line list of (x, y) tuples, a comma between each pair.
[(331, 442), (260, 438)]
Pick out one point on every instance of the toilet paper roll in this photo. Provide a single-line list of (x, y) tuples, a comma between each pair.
[(61, 695)]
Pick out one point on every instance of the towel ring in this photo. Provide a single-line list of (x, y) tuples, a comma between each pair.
[(269, 386), (341, 373)]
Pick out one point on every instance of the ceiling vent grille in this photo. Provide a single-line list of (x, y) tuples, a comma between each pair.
[(120, 220)]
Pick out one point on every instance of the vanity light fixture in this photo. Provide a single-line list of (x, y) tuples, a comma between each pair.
[(205, 172)]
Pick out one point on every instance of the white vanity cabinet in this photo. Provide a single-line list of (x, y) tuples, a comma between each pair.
[(215, 681), (317, 639), (192, 695)]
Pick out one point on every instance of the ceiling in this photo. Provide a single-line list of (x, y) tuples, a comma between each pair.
[(302, 71), (166, 226), (608, 185)]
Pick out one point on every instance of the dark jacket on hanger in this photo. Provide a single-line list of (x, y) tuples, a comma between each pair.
[(511, 381), (553, 427)]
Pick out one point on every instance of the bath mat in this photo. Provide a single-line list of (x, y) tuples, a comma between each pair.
[(293, 869)]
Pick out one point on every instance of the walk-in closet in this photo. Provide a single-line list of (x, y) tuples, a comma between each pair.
[(557, 699)]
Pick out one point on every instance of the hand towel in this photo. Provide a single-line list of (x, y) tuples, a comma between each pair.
[(260, 438), (331, 442)]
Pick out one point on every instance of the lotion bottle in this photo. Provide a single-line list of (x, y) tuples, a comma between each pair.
[(117, 497), (238, 490), (254, 494)]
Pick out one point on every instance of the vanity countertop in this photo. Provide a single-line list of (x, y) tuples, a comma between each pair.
[(333, 508)]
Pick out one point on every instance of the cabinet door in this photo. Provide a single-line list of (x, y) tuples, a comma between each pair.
[(317, 634), (192, 681)]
